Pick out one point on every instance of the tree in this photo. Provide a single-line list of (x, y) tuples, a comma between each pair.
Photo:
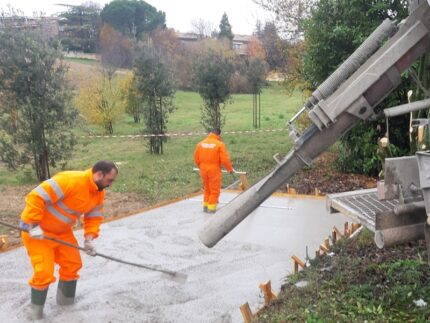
[(35, 111), (225, 30), (338, 27), (334, 31), (274, 46), (116, 49), (102, 102), (295, 79), (256, 74), (80, 28), (133, 18), (188, 55), (202, 27), (212, 73), (165, 41), (154, 83), (256, 49), (130, 95), (290, 15)]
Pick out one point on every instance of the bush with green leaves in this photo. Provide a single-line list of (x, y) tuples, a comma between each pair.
[(155, 86), (358, 149), (334, 30), (36, 115), (212, 74)]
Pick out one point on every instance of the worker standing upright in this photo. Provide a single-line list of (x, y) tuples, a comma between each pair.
[(52, 208), (210, 154)]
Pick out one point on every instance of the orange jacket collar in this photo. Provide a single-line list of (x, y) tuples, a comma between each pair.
[(93, 185), (214, 136)]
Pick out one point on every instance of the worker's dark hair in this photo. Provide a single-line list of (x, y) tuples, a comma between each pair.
[(216, 131), (105, 166)]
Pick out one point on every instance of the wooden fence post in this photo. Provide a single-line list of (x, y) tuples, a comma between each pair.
[(244, 184), (246, 313), (4, 241), (266, 289), (297, 263), (346, 231)]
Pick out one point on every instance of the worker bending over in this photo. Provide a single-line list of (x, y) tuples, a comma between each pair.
[(52, 208)]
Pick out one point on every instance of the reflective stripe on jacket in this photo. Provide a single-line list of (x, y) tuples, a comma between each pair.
[(211, 152), (57, 203)]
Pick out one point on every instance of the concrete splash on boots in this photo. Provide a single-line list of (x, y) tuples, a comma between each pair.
[(38, 298), (66, 292)]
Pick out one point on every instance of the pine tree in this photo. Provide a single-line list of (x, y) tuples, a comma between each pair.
[(225, 30)]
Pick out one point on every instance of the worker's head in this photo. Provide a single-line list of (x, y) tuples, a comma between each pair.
[(216, 131), (104, 173)]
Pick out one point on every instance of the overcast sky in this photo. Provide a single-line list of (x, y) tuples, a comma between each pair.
[(242, 14)]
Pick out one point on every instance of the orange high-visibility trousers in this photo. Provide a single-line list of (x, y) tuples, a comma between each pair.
[(211, 177), (44, 254)]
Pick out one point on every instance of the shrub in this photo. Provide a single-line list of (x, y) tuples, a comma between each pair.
[(240, 84)]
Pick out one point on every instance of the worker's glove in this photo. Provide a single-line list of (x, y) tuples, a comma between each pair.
[(89, 246), (232, 171), (36, 232)]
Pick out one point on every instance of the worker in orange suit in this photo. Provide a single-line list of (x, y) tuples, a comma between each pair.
[(209, 156), (51, 210)]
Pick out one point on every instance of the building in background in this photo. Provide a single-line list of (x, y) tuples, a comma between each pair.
[(241, 44), (48, 27)]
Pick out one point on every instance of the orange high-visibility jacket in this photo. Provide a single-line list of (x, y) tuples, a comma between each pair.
[(57, 203), (211, 152)]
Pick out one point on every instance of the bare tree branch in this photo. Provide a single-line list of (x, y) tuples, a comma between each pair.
[(202, 27), (289, 15)]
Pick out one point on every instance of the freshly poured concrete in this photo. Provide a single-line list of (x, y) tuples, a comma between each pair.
[(219, 279)]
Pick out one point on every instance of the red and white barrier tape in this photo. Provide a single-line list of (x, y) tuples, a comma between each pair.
[(184, 134)]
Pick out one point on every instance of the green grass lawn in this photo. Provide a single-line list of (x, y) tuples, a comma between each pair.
[(276, 109), (87, 61), (157, 178)]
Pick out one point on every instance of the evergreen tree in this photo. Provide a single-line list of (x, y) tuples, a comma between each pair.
[(80, 27), (133, 18), (273, 45), (35, 110), (212, 73), (225, 30), (154, 84)]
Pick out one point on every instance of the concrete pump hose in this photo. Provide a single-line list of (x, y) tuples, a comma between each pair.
[(386, 29)]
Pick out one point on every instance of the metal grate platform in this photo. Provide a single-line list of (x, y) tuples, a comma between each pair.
[(362, 206)]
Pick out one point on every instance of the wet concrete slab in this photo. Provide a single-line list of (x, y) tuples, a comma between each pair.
[(219, 279)]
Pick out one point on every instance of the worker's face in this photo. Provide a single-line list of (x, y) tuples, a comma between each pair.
[(104, 180)]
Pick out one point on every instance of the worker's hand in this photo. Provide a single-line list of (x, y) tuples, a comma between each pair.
[(232, 171), (89, 246), (35, 232)]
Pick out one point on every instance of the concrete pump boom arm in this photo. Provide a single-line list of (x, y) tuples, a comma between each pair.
[(353, 101)]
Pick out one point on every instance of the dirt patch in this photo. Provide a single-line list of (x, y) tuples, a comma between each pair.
[(326, 179)]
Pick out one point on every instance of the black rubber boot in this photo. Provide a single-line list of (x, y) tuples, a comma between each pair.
[(38, 298), (66, 292)]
